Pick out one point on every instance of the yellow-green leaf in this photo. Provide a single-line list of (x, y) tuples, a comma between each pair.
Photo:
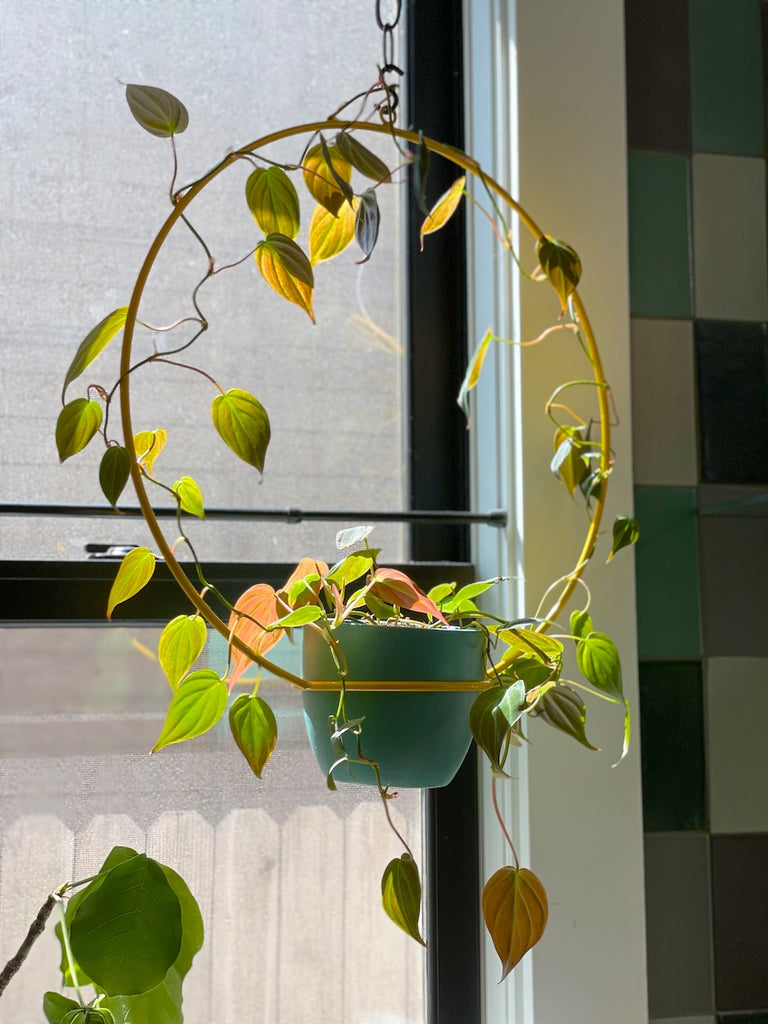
[(598, 659), (286, 269), (180, 645), (361, 158), (77, 423), (561, 266), (401, 895), (190, 496), (114, 470), (195, 708), (626, 531), (148, 445), (242, 423), (568, 462), (328, 234), (444, 209), (472, 375), (135, 572), (157, 111), (273, 201), (320, 176), (515, 911), (95, 342), (254, 730)]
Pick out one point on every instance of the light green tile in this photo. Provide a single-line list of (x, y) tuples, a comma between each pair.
[(668, 615), (729, 238), (726, 77), (659, 235), (663, 402), (737, 710)]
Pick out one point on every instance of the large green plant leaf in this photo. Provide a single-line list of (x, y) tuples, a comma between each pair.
[(273, 201), (367, 224), (401, 895), (56, 1006), (77, 423), (361, 158), (254, 729), (126, 934), (287, 270), (515, 911), (242, 423), (564, 709), (135, 572), (598, 659), (626, 531), (492, 716), (94, 342), (114, 471), (157, 111), (181, 644), (195, 707)]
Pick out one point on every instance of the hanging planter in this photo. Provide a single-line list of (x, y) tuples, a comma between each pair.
[(411, 691)]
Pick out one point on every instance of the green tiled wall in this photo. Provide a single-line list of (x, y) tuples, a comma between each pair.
[(696, 86)]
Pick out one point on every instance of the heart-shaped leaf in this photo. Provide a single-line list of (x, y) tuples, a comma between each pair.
[(401, 895), (195, 708), (324, 166), (157, 111), (564, 709), (361, 158), (135, 572), (94, 342), (568, 462), (491, 718), (254, 613), (273, 201), (515, 911), (148, 445), (444, 209), (626, 531), (242, 423), (114, 470), (581, 624), (330, 234), (598, 659), (394, 587), (190, 496), (287, 270), (561, 267), (181, 644), (127, 932), (254, 729), (55, 1006), (78, 421)]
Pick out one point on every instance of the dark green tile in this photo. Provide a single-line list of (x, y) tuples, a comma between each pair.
[(726, 77), (743, 1018), (668, 618), (672, 746), (659, 235)]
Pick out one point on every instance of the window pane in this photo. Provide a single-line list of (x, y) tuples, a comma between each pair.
[(84, 191), (287, 874)]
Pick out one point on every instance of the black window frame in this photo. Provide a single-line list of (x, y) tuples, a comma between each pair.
[(75, 593)]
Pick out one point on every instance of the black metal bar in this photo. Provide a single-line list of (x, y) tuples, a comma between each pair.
[(497, 517)]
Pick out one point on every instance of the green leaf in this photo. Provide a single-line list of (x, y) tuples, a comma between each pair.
[(533, 671), (444, 209), (323, 167), (190, 496), (420, 172), (491, 724), (401, 895), (527, 641), (242, 423), (94, 342), (254, 729), (598, 660), (157, 111), (287, 270), (568, 462), (299, 617), (361, 158), (195, 707), (468, 593), (114, 471), (273, 201), (562, 708), (135, 572), (181, 644), (127, 933), (561, 267), (439, 593), (77, 423), (367, 224), (330, 234), (515, 910), (55, 1005), (351, 568), (581, 624), (626, 531), (472, 375)]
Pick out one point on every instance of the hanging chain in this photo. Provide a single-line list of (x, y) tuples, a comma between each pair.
[(388, 25)]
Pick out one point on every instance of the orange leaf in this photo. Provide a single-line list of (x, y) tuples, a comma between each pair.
[(394, 587), (260, 603), (515, 911)]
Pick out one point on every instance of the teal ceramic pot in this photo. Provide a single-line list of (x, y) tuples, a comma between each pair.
[(419, 736)]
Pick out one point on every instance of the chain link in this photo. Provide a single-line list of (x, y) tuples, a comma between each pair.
[(387, 27)]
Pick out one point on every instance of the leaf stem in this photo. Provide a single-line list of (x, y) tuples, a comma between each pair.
[(500, 820), (68, 948)]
